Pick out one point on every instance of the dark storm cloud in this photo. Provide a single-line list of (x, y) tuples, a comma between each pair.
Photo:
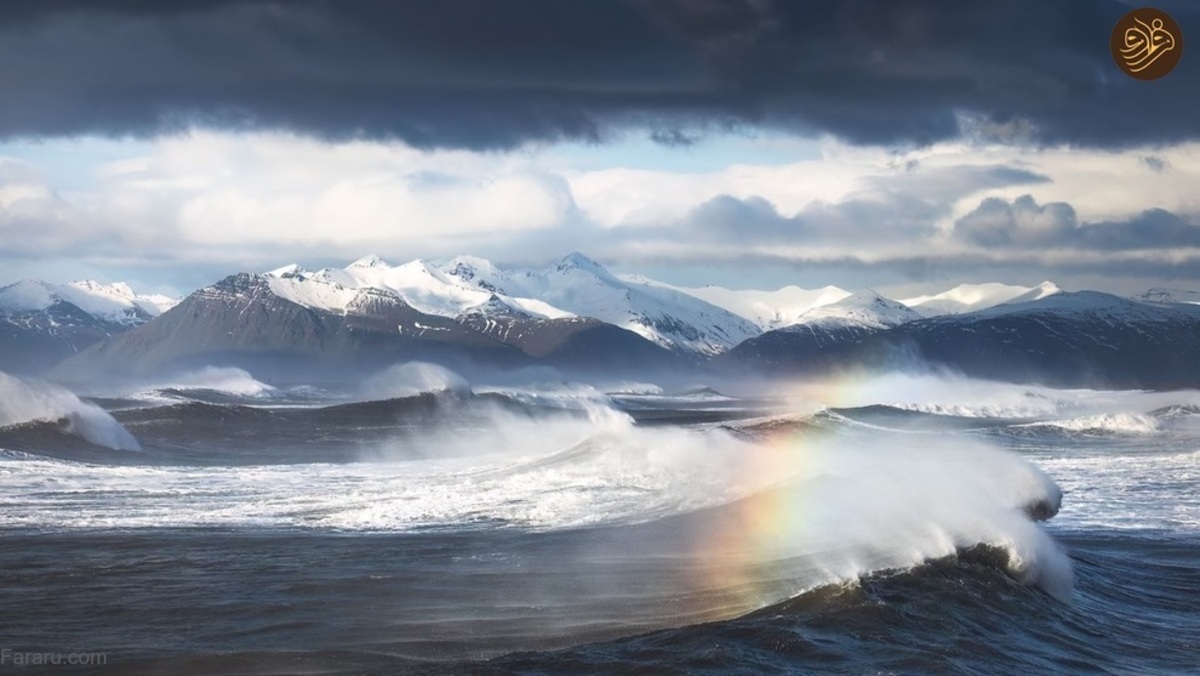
[(1025, 223), (490, 74)]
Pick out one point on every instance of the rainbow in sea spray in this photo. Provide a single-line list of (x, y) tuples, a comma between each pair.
[(749, 540), (833, 506)]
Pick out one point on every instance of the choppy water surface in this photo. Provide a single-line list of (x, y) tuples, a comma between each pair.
[(901, 524)]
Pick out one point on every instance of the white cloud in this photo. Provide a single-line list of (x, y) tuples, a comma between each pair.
[(1101, 185), (258, 200)]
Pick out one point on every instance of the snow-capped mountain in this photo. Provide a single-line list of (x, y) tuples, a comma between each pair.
[(1076, 339), (1088, 304), (114, 303), (575, 287), (422, 285), (970, 297), (823, 335), (1083, 338), (864, 309), (292, 321), (766, 309), (41, 323), (1043, 290), (583, 287), (787, 306)]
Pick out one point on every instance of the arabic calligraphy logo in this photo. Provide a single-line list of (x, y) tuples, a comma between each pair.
[(1147, 43)]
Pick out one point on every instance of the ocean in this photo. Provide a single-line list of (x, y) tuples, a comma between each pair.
[(422, 524)]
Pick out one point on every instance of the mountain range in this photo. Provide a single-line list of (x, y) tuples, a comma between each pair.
[(576, 315)]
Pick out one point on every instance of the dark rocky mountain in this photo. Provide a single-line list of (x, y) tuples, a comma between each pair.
[(567, 341), (241, 321), (1082, 339), (825, 337)]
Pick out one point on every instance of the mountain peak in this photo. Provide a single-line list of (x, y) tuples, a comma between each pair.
[(28, 294), (476, 271), (1043, 290), (369, 261), (469, 267), (288, 271), (118, 289), (865, 308), (866, 297), (470, 262), (578, 261)]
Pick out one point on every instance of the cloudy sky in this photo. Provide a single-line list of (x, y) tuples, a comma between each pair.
[(908, 145)]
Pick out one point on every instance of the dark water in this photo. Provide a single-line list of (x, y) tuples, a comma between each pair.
[(471, 534)]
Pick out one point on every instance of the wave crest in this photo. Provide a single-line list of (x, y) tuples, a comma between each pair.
[(224, 380), (23, 401)]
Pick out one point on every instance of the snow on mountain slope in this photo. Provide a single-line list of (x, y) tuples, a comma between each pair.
[(116, 303), (1043, 290), (583, 287), (574, 287), (864, 309), (971, 297), (96, 298), (1090, 304), (1170, 296), (296, 286), (767, 309), (421, 285)]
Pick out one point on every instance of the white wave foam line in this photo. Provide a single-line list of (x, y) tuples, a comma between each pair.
[(1107, 423), (956, 395), (981, 410), (29, 401)]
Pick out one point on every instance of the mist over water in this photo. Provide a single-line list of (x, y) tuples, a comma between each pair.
[(539, 515), (412, 379)]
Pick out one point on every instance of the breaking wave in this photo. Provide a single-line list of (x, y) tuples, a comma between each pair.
[(218, 383), (25, 401), (225, 380)]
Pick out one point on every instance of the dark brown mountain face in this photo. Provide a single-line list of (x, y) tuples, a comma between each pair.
[(241, 322), (1084, 339)]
